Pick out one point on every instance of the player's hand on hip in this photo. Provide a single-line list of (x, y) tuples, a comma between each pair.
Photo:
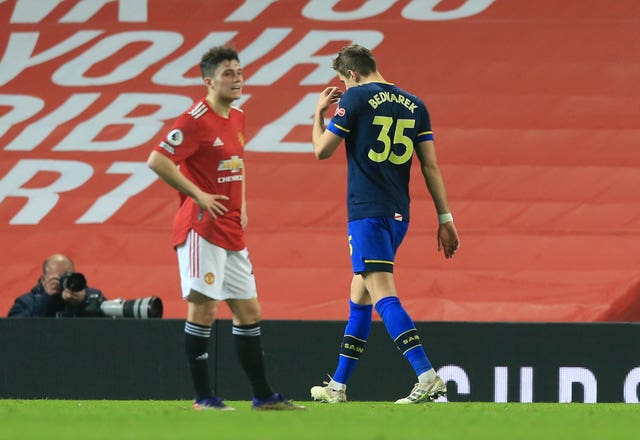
[(448, 240), (212, 204)]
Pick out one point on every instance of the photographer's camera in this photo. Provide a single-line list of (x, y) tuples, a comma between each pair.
[(73, 281), (141, 308)]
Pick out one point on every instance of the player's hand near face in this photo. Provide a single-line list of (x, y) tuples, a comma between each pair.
[(448, 239), (328, 96), (324, 142)]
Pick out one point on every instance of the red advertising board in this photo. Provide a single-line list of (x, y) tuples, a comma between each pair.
[(534, 107)]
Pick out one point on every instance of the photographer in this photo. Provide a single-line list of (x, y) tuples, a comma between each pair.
[(63, 293), (80, 300), (49, 299)]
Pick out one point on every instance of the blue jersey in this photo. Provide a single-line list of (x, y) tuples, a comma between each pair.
[(380, 123)]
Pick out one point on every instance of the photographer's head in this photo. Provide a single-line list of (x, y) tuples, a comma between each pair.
[(52, 268)]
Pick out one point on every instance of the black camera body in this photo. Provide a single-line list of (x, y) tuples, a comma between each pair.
[(73, 281), (141, 308)]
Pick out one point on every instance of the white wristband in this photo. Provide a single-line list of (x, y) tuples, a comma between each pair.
[(445, 218)]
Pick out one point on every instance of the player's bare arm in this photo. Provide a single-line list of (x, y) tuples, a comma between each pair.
[(448, 240), (244, 218), (169, 172), (325, 143)]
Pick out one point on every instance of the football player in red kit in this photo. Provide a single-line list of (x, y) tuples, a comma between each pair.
[(202, 157)]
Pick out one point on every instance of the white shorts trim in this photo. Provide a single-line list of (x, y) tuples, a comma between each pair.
[(214, 271)]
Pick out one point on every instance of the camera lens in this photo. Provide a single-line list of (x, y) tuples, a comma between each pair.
[(73, 281), (141, 308)]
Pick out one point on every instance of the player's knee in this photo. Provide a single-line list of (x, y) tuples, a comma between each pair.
[(245, 312), (250, 316), (203, 313)]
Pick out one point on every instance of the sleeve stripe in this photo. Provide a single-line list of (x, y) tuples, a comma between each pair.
[(337, 130), (378, 261), (425, 136), (342, 128)]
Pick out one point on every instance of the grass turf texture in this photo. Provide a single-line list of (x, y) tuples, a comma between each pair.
[(105, 419)]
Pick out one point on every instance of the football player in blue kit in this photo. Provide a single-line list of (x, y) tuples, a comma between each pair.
[(382, 126)]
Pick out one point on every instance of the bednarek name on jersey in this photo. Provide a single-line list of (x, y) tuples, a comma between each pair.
[(382, 97)]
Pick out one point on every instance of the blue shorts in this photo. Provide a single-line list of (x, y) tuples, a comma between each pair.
[(373, 243)]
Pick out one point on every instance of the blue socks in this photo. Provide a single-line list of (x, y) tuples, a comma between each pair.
[(400, 327), (355, 338), (403, 331)]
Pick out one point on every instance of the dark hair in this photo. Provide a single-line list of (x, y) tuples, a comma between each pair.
[(354, 57), (214, 56)]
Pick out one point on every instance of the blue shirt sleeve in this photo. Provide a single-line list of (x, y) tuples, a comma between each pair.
[(345, 116)]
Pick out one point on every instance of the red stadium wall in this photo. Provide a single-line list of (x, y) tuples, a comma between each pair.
[(534, 107)]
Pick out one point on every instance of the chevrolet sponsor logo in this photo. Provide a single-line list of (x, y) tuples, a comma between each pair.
[(233, 164)]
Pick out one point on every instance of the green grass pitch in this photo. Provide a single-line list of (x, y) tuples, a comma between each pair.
[(107, 419)]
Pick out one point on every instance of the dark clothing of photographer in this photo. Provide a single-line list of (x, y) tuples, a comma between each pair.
[(37, 303), (88, 308)]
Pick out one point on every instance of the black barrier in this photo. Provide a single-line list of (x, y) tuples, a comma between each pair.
[(144, 359)]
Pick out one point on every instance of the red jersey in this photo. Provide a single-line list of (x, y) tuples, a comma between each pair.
[(209, 149)]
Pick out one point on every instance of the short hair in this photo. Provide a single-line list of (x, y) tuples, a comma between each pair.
[(214, 56), (355, 57), (47, 262)]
